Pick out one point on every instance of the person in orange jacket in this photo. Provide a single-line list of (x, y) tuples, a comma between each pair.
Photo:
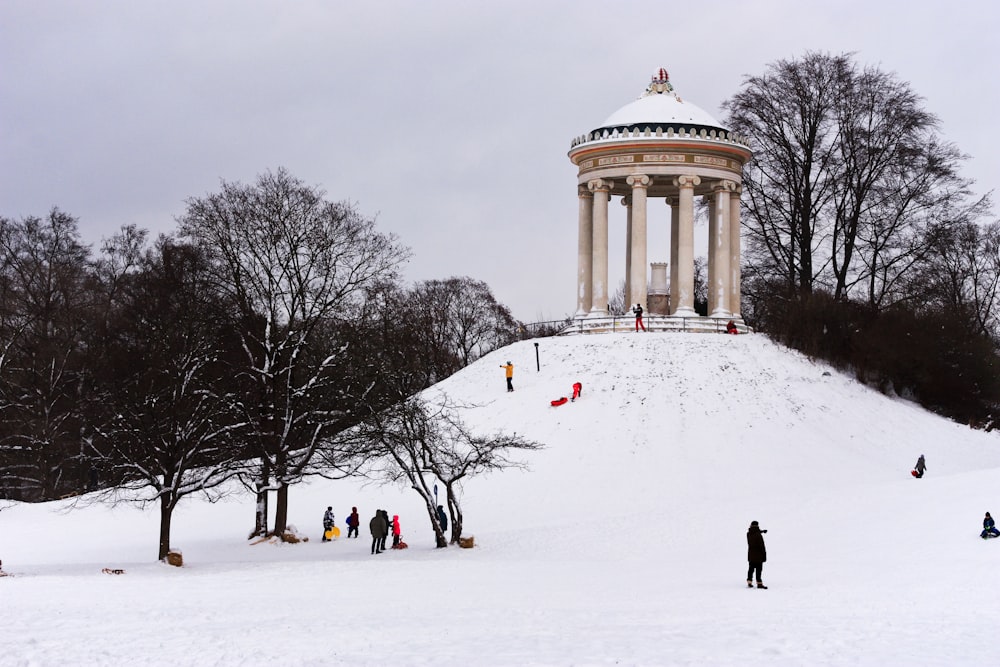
[(510, 375)]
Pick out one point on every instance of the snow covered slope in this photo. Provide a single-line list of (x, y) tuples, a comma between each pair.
[(622, 544)]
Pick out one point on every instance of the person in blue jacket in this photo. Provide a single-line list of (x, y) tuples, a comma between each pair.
[(989, 528)]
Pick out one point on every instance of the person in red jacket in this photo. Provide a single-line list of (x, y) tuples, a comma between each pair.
[(577, 390), (395, 531), (352, 522)]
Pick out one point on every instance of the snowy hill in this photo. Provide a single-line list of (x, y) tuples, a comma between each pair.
[(624, 543)]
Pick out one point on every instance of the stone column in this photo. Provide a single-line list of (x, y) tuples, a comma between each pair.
[(674, 229), (585, 253), (627, 203), (599, 303), (734, 253), (685, 247), (719, 250), (637, 269)]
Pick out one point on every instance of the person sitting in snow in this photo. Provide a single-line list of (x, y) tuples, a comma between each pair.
[(327, 522), (920, 467), (577, 390), (989, 528), (731, 328)]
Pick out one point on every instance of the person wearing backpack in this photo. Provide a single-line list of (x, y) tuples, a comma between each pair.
[(352, 523)]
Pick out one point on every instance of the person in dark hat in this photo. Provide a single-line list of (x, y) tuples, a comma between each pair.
[(756, 554), (921, 467), (989, 528)]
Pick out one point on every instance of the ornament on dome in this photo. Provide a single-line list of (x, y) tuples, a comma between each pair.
[(660, 83)]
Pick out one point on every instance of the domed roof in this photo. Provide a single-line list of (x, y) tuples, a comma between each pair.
[(660, 106)]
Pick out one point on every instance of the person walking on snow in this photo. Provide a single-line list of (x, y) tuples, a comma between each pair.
[(756, 554), (989, 528), (377, 528), (327, 522), (920, 467), (638, 317), (577, 390), (352, 523), (510, 375)]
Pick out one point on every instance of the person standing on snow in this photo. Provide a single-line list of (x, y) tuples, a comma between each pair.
[(510, 375), (577, 390), (920, 467), (638, 317), (442, 519), (756, 554), (989, 528), (352, 522), (395, 531), (377, 528), (327, 522), (386, 524)]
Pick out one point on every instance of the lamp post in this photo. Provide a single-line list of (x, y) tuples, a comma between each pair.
[(538, 364)]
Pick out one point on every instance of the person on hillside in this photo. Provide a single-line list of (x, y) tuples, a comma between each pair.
[(352, 523), (327, 523), (920, 467), (377, 528), (756, 554), (510, 375), (577, 390), (442, 518), (731, 328), (638, 317), (989, 528), (395, 531)]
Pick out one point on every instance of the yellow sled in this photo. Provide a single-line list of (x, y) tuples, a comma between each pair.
[(333, 533)]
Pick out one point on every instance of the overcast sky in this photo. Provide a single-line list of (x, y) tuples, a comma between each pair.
[(447, 121)]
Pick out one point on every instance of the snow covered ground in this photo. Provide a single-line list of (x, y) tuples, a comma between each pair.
[(623, 544)]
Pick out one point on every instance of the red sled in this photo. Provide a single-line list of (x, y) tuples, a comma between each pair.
[(560, 401), (913, 472)]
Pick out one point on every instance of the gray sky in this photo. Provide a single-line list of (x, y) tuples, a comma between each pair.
[(448, 121)]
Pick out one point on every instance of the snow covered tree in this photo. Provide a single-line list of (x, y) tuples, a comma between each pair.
[(293, 265), (169, 422), (417, 443)]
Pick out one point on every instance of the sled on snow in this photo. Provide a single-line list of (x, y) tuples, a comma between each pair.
[(560, 401)]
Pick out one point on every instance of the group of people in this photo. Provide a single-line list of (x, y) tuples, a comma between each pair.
[(379, 525)]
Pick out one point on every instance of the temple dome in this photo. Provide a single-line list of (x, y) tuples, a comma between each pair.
[(660, 106)]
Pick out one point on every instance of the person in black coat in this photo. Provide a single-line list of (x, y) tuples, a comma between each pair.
[(756, 554), (378, 528), (442, 519)]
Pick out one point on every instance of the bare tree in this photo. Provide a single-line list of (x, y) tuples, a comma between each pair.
[(291, 261), (43, 283), (463, 316), (170, 420), (847, 176), (418, 443)]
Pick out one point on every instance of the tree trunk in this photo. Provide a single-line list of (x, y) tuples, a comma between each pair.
[(455, 512), (260, 519), (167, 503), (281, 509)]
